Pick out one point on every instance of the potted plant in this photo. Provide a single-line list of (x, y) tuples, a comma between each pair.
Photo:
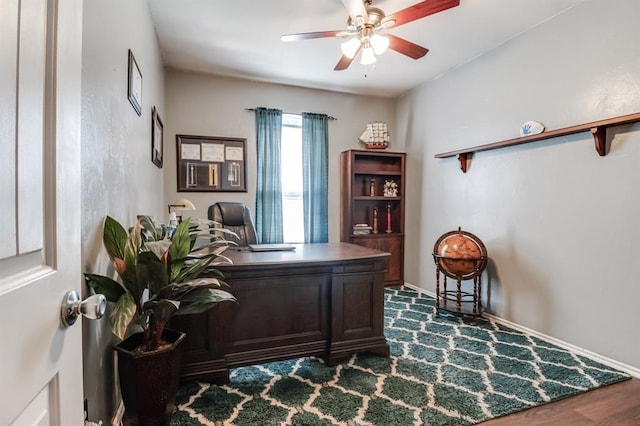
[(160, 276)]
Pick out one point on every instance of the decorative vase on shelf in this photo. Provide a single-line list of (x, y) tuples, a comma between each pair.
[(390, 188)]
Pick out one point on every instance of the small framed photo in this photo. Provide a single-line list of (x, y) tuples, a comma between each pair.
[(157, 138), (134, 90)]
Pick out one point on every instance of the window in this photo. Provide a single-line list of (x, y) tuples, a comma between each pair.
[(291, 169), (292, 187)]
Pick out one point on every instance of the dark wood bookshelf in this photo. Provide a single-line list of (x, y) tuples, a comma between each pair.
[(358, 169)]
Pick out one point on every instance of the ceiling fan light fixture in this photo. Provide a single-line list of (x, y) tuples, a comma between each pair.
[(350, 47), (365, 23), (379, 43), (368, 57)]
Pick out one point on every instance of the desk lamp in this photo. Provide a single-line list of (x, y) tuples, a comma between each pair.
[(182, 204)]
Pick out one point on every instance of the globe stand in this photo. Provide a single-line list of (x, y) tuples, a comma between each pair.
[(457, 296), (459, 255)]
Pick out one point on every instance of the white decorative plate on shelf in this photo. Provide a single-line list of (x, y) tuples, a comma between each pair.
[(531, 128)]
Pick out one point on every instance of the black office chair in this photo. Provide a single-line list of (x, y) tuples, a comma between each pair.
[(235, 217)]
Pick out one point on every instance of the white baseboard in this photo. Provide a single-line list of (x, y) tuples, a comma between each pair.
[(635, 372), (573, 348), (118, 416)]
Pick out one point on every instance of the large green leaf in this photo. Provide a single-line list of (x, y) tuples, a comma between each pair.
[(130, 275), (206, 281), (132, 248), (220, 232), (114, 237), (152, 273), (179, 291), (180, 247), (150, 230), (212, 272), (131, 283), (162, 309), (211, 250), (204, 299), (199, 294), (123, 312), (111, 289), (191, 268), (173, 291), (159, 248)]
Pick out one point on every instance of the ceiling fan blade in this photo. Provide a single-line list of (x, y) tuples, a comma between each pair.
[(406, 47), (420, 10), (345, 61), (307, 36), (356, 8)]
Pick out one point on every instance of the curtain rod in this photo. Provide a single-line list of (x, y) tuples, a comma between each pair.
[(328, 116)]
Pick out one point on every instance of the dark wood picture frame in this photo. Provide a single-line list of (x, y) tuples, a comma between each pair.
[(134, 86), (157, 138), (211, 164)]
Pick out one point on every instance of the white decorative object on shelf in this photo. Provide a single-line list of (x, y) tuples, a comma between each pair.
[(390, 188), (376, 135), (362, 229), (531, 128)]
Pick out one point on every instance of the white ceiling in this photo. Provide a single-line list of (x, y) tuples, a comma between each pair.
[(241, 38)]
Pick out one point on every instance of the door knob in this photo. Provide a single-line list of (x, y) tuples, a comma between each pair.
[(92, 307)]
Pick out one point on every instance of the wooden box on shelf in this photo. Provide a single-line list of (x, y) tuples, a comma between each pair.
[(363, 204)]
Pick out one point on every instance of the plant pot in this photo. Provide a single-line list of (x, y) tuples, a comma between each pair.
[(149, 379)]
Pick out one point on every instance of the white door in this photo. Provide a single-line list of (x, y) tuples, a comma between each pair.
[(40, 66)]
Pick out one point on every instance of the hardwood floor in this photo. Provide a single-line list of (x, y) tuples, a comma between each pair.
[(617, 404)]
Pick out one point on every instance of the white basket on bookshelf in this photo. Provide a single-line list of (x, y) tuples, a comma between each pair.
[(362, 229)]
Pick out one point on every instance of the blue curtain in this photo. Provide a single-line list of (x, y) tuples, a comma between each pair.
[(315, 171), (269, 185)]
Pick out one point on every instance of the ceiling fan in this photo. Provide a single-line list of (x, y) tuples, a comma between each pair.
[(365, 27)]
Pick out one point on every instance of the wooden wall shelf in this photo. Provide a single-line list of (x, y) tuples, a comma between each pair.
[(597, 128)]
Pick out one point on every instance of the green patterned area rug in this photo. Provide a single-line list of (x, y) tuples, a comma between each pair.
[(442, 371)]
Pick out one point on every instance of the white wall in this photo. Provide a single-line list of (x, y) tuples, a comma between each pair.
[(118, 177), (199, 104), (560, 223)]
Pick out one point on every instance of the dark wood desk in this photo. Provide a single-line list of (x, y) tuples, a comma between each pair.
[(323, 300)]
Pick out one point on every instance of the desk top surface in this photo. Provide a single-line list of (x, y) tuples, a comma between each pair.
[(304, 253)]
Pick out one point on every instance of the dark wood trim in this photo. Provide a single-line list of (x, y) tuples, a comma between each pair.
[(597, 128)]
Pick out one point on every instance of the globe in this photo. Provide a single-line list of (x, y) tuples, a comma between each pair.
[(460, 254)]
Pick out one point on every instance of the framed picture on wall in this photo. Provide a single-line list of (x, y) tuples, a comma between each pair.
[(211, 164), (157, 138), (134, 88)]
